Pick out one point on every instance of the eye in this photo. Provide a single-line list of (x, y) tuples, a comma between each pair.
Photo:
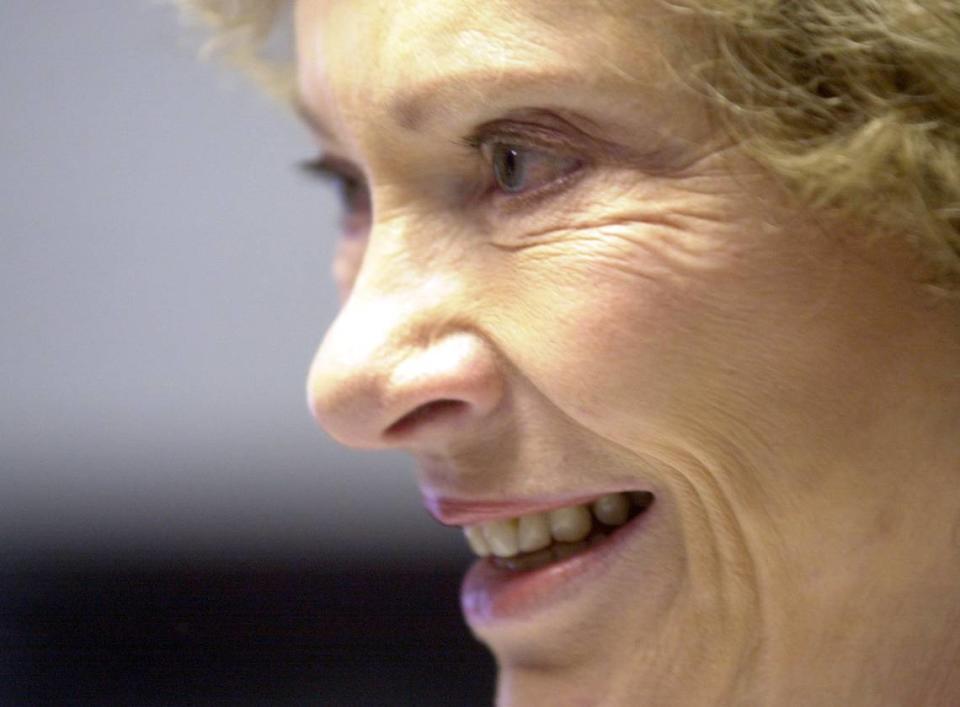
[(352, 189), (519, 169)]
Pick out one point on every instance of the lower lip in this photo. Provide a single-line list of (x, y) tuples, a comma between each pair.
[(490, 593)]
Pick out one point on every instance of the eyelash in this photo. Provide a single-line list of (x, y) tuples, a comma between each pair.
[(353, 187), (333, 170), (488, 137)]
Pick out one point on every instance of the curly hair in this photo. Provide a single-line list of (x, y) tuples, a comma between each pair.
[(855, 104)]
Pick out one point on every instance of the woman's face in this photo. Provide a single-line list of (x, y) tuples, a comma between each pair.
[(569, 285)]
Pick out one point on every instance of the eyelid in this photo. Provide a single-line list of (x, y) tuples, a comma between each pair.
[(354, 193), (345, 175), (522, 134), (532, 137)]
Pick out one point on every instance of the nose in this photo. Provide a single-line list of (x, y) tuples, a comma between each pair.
[(401, 371)]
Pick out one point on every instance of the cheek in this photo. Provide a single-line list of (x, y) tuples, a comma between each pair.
[(622, 332)]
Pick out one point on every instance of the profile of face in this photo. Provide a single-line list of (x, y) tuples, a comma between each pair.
[(674, 410)]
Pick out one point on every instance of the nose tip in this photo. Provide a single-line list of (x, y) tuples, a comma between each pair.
[(372, 392)]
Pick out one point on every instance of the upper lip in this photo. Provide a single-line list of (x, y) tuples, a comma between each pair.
[(451, 510)]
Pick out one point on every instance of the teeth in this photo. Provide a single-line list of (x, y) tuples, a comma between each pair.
[(501, 537), (612, 510), (533, 532), (533, 536), (570, 525), (476, 541)]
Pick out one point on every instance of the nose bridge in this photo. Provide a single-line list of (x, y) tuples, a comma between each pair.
[(402, 365)]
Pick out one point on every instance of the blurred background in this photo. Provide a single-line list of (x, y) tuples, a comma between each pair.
[(175, 529)]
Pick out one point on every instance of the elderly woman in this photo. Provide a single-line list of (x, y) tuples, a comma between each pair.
[(662, 296)]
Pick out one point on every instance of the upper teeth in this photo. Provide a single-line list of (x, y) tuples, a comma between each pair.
[(509, 537)]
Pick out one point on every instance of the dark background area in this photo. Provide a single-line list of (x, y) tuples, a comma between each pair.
[(75, 633), (174, 530)]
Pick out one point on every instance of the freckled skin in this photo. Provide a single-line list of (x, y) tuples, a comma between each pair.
[(786, 389)]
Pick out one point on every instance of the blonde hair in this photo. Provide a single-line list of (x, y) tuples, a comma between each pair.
[(855, 104), (241, 33)]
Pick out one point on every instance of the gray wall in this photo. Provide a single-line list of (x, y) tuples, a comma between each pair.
[(163, 284)]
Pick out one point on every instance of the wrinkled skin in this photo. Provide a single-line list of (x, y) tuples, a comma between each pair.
[(662, 317)]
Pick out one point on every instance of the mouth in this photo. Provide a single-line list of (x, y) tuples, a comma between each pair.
[(529, 562), (532, 541)]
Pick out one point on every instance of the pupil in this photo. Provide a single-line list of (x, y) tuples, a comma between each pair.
[(509, 172)]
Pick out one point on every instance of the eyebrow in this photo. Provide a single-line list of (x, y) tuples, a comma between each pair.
[(414, 107)]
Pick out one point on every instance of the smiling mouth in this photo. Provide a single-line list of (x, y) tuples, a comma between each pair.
[(535, 540)]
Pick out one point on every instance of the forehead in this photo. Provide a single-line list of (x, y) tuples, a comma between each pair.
[(374, 60)]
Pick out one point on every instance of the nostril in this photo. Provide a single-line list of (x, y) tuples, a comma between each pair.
[(402, 384), (425, 414)]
